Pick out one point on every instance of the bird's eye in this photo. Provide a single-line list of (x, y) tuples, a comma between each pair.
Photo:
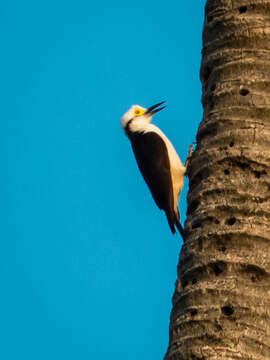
[(138, 112)]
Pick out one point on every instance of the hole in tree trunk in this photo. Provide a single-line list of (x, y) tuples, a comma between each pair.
[(242, 9), (227, 310), (193, 312), (231, 221), (218, 267), (244, 92), (259, 173), (227, 172)]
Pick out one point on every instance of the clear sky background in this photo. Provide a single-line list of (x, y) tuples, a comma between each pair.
[(87, 260)]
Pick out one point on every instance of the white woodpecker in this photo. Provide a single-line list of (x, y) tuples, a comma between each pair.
[(157, 160)]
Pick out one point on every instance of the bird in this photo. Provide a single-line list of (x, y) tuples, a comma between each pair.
[(157, 160)]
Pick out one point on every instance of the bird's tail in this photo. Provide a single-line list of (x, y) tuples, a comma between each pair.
[(180, 229), (174, 220), (171, 221), (179, 226)]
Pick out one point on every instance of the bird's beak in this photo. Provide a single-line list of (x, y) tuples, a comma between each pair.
[(155, 108)]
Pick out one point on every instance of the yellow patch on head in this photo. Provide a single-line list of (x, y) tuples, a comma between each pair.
[(138, 112)]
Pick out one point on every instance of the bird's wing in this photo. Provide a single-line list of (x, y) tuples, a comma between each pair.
[(153, 161)]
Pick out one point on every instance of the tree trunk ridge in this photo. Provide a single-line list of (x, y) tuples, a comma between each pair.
[(221, 304)]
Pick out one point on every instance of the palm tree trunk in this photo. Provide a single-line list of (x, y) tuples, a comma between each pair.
[(221, 305)]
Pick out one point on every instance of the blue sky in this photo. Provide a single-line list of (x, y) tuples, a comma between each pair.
[(87, 261)]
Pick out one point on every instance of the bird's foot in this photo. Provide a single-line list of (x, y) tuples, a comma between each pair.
[(190, 152)]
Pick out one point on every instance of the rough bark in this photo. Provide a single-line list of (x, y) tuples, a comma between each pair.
[(221, 305)]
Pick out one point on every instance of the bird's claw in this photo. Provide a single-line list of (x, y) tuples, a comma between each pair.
[(190, 152)]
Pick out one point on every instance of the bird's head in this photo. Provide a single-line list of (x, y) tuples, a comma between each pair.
[(138, 113)]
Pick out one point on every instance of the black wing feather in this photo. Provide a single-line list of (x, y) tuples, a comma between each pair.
[(152, 157)]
